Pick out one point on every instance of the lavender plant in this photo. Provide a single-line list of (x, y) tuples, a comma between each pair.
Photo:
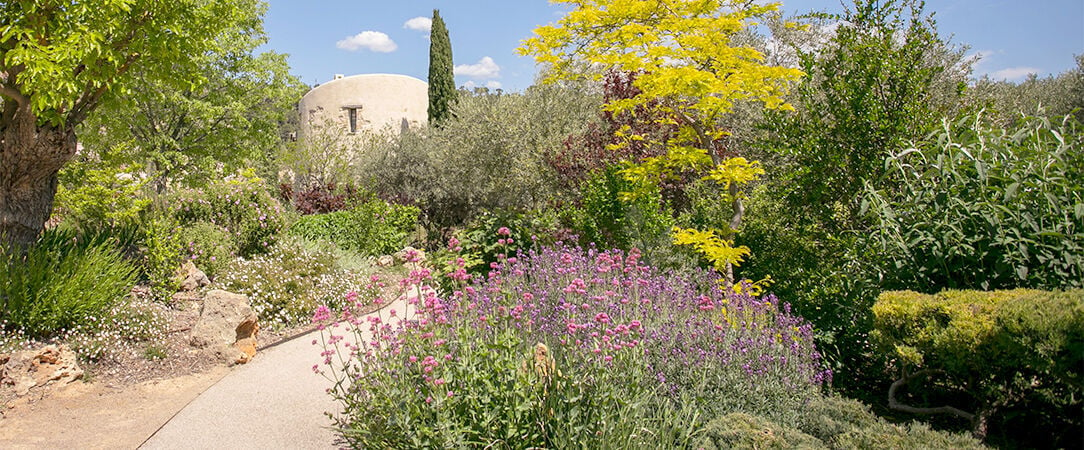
[(566, 347)]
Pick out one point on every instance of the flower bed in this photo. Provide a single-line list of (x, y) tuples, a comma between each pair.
[(569, 347)]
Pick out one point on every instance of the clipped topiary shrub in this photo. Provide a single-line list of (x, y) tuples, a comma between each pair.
[(739, 430), (982, 355), (371, 228)]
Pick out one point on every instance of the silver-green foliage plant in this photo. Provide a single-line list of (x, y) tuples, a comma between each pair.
[(983, 207), (488, 156)]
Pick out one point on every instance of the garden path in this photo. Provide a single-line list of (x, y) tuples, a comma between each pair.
[(275, 401)]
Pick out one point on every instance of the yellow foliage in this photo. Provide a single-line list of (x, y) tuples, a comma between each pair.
[(721, 252), (735, 171), (681, 50), (688, 72)]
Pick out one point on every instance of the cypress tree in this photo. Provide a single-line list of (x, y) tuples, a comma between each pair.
[(442, 91)]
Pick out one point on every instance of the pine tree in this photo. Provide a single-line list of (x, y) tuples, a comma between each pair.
[(442, 91)]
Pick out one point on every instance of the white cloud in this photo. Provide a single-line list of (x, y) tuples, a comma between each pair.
[(419, 23), (1013, 73), (368, 40), (470, 85), (485, 68), (493, 84)]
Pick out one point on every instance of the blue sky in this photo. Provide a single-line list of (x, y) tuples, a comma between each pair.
[(328, 37)]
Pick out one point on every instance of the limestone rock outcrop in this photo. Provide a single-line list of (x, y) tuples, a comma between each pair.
[(191, 277), (227, 327), (30, 368)]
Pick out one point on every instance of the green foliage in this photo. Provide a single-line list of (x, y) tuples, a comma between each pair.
[(242, 206), (828, 422), (374, 227), (739, 430), (489, 156), (442, 93), (94, 196), (287, 283), (1007, 102), (61, 283), (501, 401), (326, 154), (162, 255), (1000, 349), (63, 56), (493, 237), (883, 78), (821, 276), (848, 424), (611, 220), (194, 133), (208, 246), (983, 207)]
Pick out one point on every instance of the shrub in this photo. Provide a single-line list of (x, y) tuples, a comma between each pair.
[(322, 198), (489, 156), (372, 228), (60, 283), (99, 196), (242, 207), (208, 246), (849, 424), (286, 284), (821, 274), (738, 430), (611, 221), (131, 327), (565, 347), (984, 208), (827, 422), (990, 351), (162, 255)]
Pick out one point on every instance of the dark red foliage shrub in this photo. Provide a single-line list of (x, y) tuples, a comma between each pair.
[(590, 151), (321, 199)]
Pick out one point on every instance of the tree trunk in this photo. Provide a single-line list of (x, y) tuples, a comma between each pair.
[(30, 157)]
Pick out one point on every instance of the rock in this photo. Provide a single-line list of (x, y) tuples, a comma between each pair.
[(139, 292), (227, 327), (385, 261), (30, 368), (246, 339), (191, 277), (410, 254), (184, 297)]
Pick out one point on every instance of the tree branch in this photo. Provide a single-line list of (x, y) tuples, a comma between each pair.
[(896, 405), (14, 94), (90, 98)]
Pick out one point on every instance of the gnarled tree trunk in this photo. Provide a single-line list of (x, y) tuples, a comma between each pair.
[(30, 157)]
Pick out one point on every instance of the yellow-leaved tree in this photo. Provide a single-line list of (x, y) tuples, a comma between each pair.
[(690, 72)]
